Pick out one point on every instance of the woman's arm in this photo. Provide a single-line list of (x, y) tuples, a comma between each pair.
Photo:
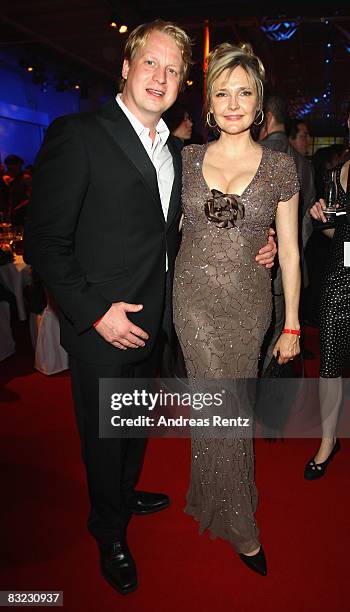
[(289, 260)]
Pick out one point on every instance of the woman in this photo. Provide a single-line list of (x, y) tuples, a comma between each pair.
[(179, 122), (334, 323), (232, 189), (318, 247)]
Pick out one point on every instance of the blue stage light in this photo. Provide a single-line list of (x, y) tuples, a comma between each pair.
[(282, 30)]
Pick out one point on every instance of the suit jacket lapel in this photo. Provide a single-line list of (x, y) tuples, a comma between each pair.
[(175, 198), (119, 128)]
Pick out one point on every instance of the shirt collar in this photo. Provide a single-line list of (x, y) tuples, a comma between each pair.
[(161, 128)]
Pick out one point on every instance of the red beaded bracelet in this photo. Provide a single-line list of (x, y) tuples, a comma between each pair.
[(296, 332)]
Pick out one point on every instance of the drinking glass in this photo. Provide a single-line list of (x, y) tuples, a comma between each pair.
[(331, 197)]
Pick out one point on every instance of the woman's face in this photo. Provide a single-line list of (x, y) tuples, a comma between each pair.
[(184, 130), (234, 101)]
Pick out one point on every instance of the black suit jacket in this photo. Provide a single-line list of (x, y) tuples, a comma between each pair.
[(96, 233)]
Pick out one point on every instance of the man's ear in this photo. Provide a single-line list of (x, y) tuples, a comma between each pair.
[(269, 117), (125, 69), (267, 122)]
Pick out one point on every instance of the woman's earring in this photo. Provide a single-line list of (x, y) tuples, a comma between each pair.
[(208, 121), (262, 117)]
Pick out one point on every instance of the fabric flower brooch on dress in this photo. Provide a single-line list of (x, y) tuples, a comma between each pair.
[(224, 209)]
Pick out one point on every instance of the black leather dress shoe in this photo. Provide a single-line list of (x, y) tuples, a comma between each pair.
[(118, 567), (146, 503), (257, 562)]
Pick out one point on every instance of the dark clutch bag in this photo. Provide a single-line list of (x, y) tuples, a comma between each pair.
[(274, 398), (278, 370)]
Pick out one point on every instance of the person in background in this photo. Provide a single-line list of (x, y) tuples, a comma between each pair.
[(19, 189), (318, 247), (334, 321), (299, 136), (28, 170), (179, 122), (273, 136), (325, 159)]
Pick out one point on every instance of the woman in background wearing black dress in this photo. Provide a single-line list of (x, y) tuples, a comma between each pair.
[(334, 323)]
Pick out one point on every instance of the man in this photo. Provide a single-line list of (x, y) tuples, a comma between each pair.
[(273, 135), (103, 228), (299, 136)]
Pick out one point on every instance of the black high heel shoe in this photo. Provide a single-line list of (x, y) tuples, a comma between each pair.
[(257, 562), (313, 470)]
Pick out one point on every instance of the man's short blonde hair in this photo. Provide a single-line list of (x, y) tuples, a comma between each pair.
[(139, 35)]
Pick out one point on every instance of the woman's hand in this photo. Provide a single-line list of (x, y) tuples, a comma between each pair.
[(316, 211), (287, 347)]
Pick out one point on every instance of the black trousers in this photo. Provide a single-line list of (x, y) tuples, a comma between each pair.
[(112, 465)]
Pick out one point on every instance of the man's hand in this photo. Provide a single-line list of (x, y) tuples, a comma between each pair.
[(268, 252), (116, 328), (316, 211)]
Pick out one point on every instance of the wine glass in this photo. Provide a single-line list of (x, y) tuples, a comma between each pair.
[(331, 193)]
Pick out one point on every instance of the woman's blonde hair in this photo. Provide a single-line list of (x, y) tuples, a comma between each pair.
[(139, 35), (228, 56)]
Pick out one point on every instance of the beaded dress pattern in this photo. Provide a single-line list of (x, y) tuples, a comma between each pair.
[(222, 309), (335, 298)]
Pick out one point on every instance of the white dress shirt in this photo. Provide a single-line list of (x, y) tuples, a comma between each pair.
[(158, 153)]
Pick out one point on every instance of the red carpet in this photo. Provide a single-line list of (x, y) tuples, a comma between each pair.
[(44, 544)]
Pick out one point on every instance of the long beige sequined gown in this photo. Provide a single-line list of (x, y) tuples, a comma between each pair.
[(222, 308)]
